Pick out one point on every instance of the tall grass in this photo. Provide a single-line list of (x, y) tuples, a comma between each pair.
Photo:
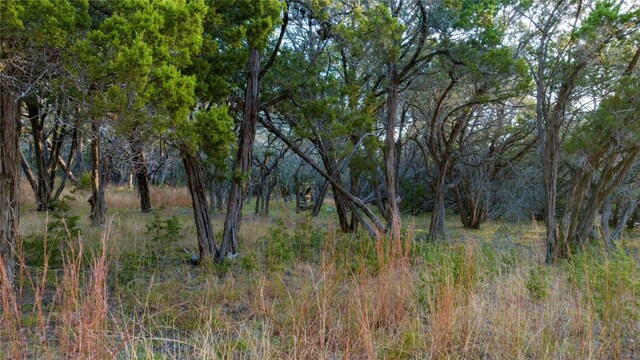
[(161, 196), (304, 292)]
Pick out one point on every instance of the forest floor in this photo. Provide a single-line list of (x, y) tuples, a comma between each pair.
[(300, 289)]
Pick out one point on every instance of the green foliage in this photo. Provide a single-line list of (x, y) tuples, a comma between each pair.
[(135, 61), (62, 230), (84, 182), (359, 254), (248, 262), (537, 283), (278, 249), (307, 240), (164, 230), (214, 134), (609, 282)]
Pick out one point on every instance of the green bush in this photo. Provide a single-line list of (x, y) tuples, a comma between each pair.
[(307, 240), (164, 230), (278, 249), (537, 283), (84, 182), (609, 281), (61, 229)]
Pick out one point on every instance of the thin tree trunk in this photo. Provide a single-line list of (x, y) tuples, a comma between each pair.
[(555, 250), (67, 170), (97, 201), (242, 163), (220, 195), (390, 155), (79, 167), (43, 194), (142, 176), (267, 200), (9, 181), (322, 191), (436, 227), (604, 223), (204, 228), (373, 229), (29, 174), (626, 218)]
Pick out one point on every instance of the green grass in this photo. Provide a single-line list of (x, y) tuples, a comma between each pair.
[(301, 289)]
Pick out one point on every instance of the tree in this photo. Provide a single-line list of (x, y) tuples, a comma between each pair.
[(32, 36), (565, 40), (605, 148), (132, 63), (259, 19)]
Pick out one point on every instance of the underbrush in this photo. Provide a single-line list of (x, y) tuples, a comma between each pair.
[(302, 291)]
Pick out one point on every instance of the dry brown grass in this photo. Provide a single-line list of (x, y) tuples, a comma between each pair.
[(161, 196), (391, 300)]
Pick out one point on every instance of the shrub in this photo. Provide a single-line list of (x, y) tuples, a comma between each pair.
[(537, 283), (278, 247), (609, 281), (164, 230)]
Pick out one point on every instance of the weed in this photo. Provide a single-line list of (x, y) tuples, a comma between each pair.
[(537, 283)]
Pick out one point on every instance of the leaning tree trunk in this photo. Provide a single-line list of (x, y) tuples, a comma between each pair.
[(204, 228), (142, 175), (9, 182), (97, 202), (242, 163)]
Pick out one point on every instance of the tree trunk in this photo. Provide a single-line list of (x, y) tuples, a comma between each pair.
[(257, 209), (626, 219), (142, 176), (342, 208), (436, 227), (44, 193), (220, 195), (555, 250), (29, 174), (67, 170), (204, 228), (97, 202), (9, 181), (267, 200), (79, 167), (390, 155), (317, 205), (242, 162), (354, 202)]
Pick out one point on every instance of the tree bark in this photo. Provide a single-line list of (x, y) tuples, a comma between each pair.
[(390, 155), (97, 201), (67, 169), (242, 163), (9, 181), (44, 193), (550, 180), (317, 206), (142, 176), (29, 174), (355, 203), (204, 228), (436, 226)]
